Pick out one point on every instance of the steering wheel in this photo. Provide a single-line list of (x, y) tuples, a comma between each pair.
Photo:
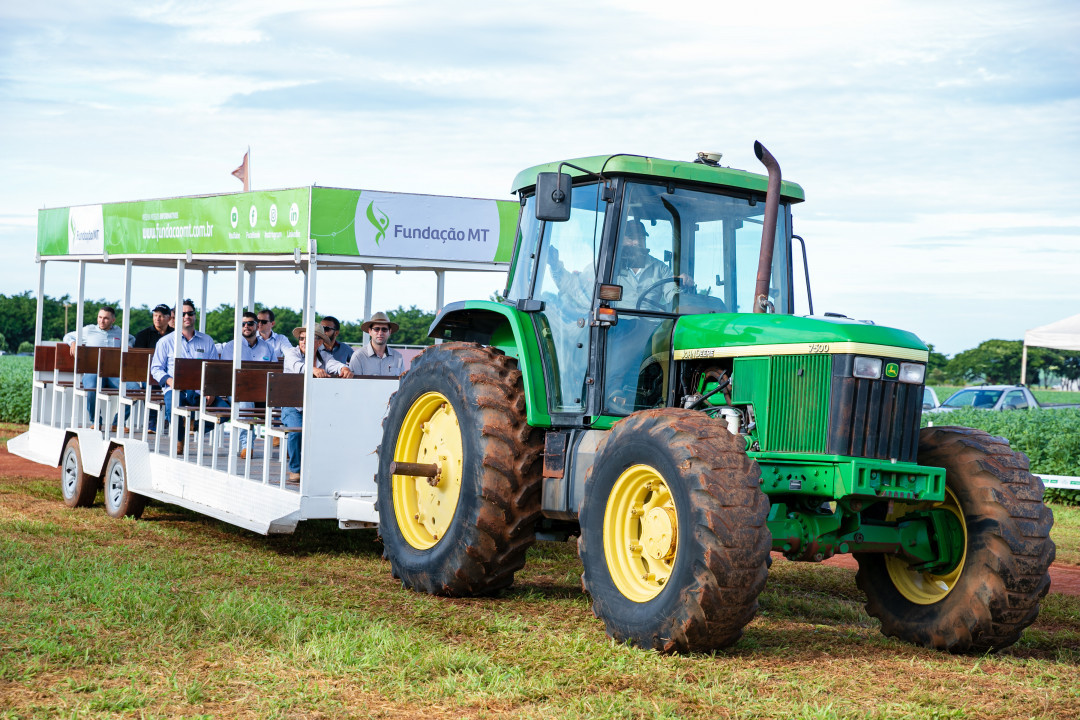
[(663, 281)]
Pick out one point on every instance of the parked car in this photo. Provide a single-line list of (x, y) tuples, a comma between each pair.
[(929, 398), (992, 397)]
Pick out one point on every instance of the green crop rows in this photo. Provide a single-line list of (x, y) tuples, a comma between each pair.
[(15, 374)]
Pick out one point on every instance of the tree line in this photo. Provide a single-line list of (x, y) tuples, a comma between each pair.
[(17, 314), (993, 361)]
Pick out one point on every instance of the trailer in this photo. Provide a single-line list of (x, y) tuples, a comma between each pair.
[(326, 234)]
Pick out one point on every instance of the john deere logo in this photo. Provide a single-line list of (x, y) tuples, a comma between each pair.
[(379, 223), (892, 370)]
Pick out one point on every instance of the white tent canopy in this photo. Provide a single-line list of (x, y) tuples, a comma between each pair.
[(1060, 335)]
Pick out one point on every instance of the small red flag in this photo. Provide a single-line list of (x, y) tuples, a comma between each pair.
[(241, 173)]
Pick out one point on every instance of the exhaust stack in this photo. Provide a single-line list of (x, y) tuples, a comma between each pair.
[(768, 230)]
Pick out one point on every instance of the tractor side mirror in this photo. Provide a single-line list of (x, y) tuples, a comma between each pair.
[(553, 196)]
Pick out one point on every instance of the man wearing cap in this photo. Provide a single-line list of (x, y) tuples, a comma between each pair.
[(296, 362), (266, 323), (376, 357), (148, 338)]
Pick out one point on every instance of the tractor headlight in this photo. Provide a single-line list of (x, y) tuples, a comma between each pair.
[(866, 367), (913, 373)]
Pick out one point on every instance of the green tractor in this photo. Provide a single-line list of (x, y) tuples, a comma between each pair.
[(646, 385)]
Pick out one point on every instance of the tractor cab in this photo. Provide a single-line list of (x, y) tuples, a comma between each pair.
[(644, 242)]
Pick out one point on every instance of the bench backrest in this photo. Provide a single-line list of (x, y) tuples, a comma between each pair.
[(44, 358), (250, 385), (86, 358), (216, 378), (63, 359), (135, 365), (108, 364), (187, 373), (284, 390), (275, 366)]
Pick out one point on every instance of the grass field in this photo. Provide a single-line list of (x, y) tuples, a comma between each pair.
[(177, 615)]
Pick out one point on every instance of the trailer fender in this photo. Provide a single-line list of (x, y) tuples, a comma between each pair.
[(93, 450), (137, 461)]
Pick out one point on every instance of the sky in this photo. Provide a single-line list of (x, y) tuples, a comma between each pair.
[(937, 143)]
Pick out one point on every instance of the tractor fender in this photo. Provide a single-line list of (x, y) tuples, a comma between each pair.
[(504, 328)]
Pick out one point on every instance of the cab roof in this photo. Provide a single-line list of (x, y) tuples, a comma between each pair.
[(650, 167)]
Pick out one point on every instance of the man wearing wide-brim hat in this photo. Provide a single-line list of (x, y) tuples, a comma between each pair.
[(376, 357)]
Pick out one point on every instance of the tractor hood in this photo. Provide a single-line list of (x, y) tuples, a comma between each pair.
[(745, 335)]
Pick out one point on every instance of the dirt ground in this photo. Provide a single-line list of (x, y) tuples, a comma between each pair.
[(1064, 579)]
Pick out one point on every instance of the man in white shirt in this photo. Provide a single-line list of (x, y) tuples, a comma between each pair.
[(279, 342), (376, 357), (104, 334)]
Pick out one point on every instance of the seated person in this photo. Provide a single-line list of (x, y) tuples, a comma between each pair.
[(103, 334), (187, 343), (252, 348), (377, 357), (296, 361)]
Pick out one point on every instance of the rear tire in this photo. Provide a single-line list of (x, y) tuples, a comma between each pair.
[(461, 406), (987, 601), (674, 542), (78, 488), (119, 501)]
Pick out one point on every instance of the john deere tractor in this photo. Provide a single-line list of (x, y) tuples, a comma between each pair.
[(646, 385)]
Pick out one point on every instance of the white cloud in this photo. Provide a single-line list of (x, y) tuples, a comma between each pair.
[(936, 142)]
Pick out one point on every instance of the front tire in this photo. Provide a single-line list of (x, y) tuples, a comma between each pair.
[(119, 501), (987, 600), (77, 488), (461, 406), (674, 542)]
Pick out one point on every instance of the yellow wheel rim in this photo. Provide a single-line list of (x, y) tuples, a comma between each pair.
[(641, 533), (429, 434), (924, 588)]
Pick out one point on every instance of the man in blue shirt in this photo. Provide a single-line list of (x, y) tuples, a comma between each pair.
[(186, 343)]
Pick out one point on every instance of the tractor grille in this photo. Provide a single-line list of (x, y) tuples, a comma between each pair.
[(798, 403), (873, 418)]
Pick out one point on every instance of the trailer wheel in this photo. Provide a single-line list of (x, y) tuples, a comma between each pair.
[(673, 535), (987, 600), (461, 407), (78, 488), (119, 501)]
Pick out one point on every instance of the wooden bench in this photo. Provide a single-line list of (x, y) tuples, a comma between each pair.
[(135, 368), (63, 384), (86, 360), (216, 382), (44, 377), (249, 401), (45, 358), (283, 390), (108, 366)]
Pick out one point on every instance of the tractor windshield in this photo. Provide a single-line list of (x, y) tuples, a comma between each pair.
[(689, 251)]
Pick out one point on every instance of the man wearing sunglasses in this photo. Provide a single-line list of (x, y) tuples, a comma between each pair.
[(187, 343), (252, 347), (376, 357), (338, 350), (277, 341)]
